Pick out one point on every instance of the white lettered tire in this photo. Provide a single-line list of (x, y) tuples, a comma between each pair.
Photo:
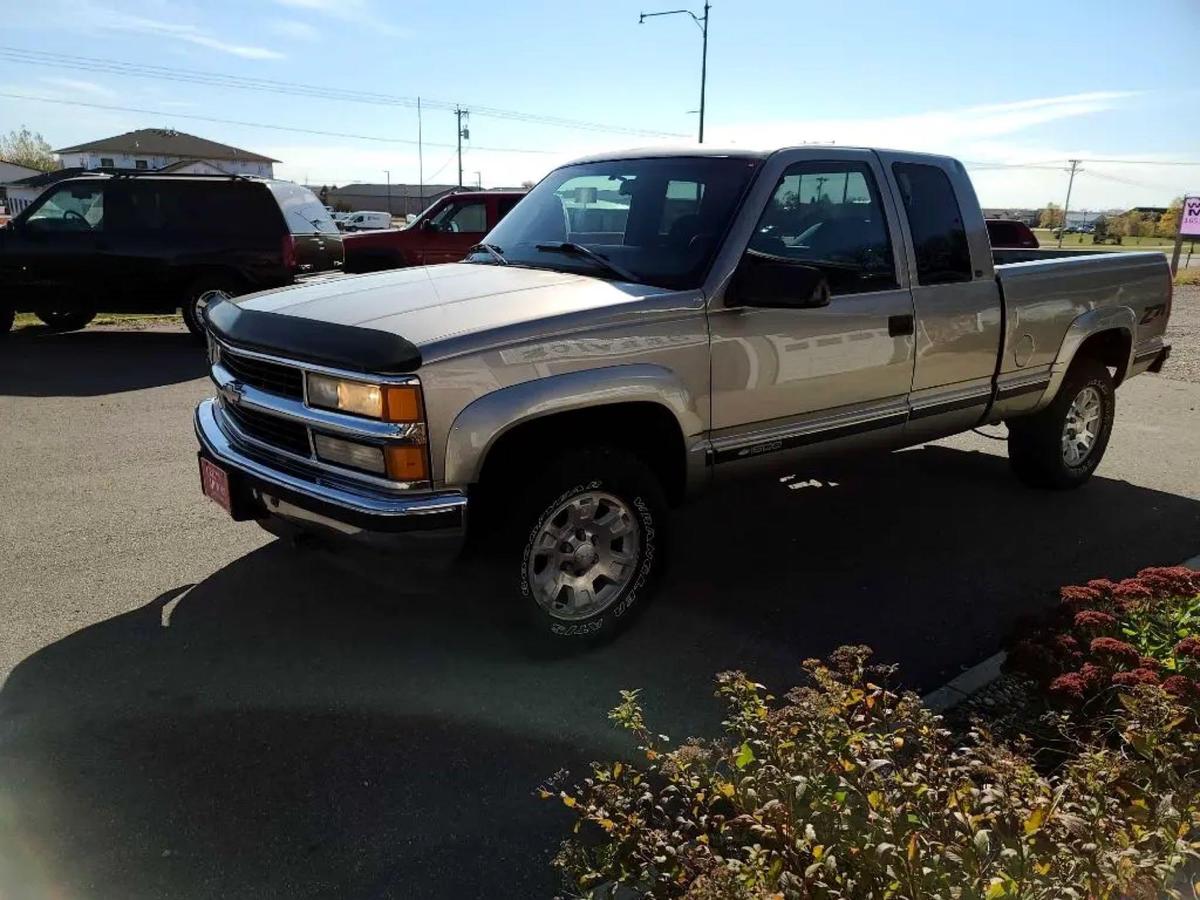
[(592, 532)]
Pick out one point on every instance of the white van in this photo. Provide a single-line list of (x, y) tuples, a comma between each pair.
[(366, 221)]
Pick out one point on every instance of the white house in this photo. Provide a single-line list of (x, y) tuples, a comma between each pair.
[(13, 197), (158, 149)]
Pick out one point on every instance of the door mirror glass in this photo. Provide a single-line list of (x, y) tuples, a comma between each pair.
[(771, 281)]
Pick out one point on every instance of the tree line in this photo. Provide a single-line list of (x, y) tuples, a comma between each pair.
[(1128, 224)]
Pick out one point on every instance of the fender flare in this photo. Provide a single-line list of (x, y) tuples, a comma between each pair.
[(483, 421), (1092, 322)]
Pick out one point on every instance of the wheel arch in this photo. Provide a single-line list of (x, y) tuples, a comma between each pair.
[(641, 408), (1105, 334)]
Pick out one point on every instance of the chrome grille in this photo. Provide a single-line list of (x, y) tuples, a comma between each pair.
[(282, 433), (267, 376)]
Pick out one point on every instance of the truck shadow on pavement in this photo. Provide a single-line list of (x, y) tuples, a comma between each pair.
[(283, 730), (92, 363)]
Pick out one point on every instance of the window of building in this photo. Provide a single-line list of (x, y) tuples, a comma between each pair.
[(106, 162), (140, 164)]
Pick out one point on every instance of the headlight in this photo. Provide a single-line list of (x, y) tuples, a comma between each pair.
[(389, 402)]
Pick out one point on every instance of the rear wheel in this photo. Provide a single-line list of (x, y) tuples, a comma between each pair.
[(587, 544), (202, 293), (1061, 446), (65, 319)]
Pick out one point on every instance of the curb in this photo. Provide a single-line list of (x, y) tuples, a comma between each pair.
[(979, 676)]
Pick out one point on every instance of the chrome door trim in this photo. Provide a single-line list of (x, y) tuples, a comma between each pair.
[(799, 434)]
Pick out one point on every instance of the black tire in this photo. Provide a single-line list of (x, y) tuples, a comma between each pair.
[(602, 471), (196, 297), (1035, 443), (7, 316), (66, 320)]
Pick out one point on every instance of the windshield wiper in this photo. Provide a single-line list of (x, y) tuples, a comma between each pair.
[(492, 250), (574, 249)]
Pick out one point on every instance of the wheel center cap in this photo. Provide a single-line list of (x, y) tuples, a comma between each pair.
[(585, 557)]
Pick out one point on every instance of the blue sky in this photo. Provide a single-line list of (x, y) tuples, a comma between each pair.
[(1033, 86)]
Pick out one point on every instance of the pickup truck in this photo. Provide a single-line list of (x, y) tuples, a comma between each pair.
[(643, 325), (444, 232)]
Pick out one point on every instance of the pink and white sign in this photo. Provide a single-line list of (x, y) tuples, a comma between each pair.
[(1189, 225)]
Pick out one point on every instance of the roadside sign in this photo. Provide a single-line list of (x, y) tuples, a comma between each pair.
[(1189, 225)]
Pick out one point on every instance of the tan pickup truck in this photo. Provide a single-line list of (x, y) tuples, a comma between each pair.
[(643, 325)]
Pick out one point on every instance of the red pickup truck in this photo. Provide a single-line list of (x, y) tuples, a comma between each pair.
[(442, 233)]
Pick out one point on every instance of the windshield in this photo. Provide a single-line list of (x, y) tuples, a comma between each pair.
[(661, 220)]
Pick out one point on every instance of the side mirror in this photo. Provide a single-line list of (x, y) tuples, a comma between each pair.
[(774, 282), (429, 225)]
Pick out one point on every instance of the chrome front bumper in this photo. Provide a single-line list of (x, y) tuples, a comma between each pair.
[(310, 501)]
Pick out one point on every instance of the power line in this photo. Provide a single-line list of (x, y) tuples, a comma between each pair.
[(220, 79), (199, 118)]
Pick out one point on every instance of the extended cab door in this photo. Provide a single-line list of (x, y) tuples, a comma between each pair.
[(454, 229), (803, 373), (954, 291)]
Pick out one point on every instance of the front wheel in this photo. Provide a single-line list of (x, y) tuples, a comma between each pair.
[(66, 320), (592, 530), (1061, 446)]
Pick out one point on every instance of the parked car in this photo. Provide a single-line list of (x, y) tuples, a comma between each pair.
[(157, 243), (442, 233), (365, 221), (1010, 233), (558, 391)]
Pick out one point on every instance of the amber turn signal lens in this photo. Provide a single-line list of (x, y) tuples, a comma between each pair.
[(406, 462), (402, 403)]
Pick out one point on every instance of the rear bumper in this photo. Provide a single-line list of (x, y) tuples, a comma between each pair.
[(285, 500)]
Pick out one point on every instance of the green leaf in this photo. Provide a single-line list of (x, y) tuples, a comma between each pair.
[(745, 756)]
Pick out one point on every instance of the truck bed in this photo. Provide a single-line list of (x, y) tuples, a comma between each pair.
[(1045, 291)]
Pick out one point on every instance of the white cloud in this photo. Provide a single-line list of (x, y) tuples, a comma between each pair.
[(76, 86), (295, 30), (191, 34), (356, 12)]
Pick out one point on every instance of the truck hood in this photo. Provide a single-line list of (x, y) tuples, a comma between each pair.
[(425, 305)]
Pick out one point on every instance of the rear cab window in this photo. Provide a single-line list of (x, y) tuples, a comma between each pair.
[(935, 220)]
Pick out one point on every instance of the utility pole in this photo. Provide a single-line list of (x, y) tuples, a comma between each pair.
[(702, 24), (1067, 205), (388, 173), (479, 180), (459, 114), (420, 162)]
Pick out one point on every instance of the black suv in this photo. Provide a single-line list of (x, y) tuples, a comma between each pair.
[(156, 243)]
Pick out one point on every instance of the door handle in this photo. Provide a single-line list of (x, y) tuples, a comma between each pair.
[(900, 325)]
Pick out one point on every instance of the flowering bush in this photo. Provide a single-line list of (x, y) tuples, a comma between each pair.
[(848, 789), (1118, 634)]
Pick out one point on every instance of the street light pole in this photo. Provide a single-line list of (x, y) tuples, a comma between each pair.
[(702, 24)]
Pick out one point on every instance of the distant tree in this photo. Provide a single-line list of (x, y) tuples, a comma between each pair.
[(527, 185), (324, 194), (1168, 222), (1051, 216), (27, 148)]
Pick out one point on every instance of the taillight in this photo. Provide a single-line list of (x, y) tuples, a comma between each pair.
[(289, 252)]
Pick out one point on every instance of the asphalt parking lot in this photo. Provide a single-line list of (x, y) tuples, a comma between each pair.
[(192, 709)]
